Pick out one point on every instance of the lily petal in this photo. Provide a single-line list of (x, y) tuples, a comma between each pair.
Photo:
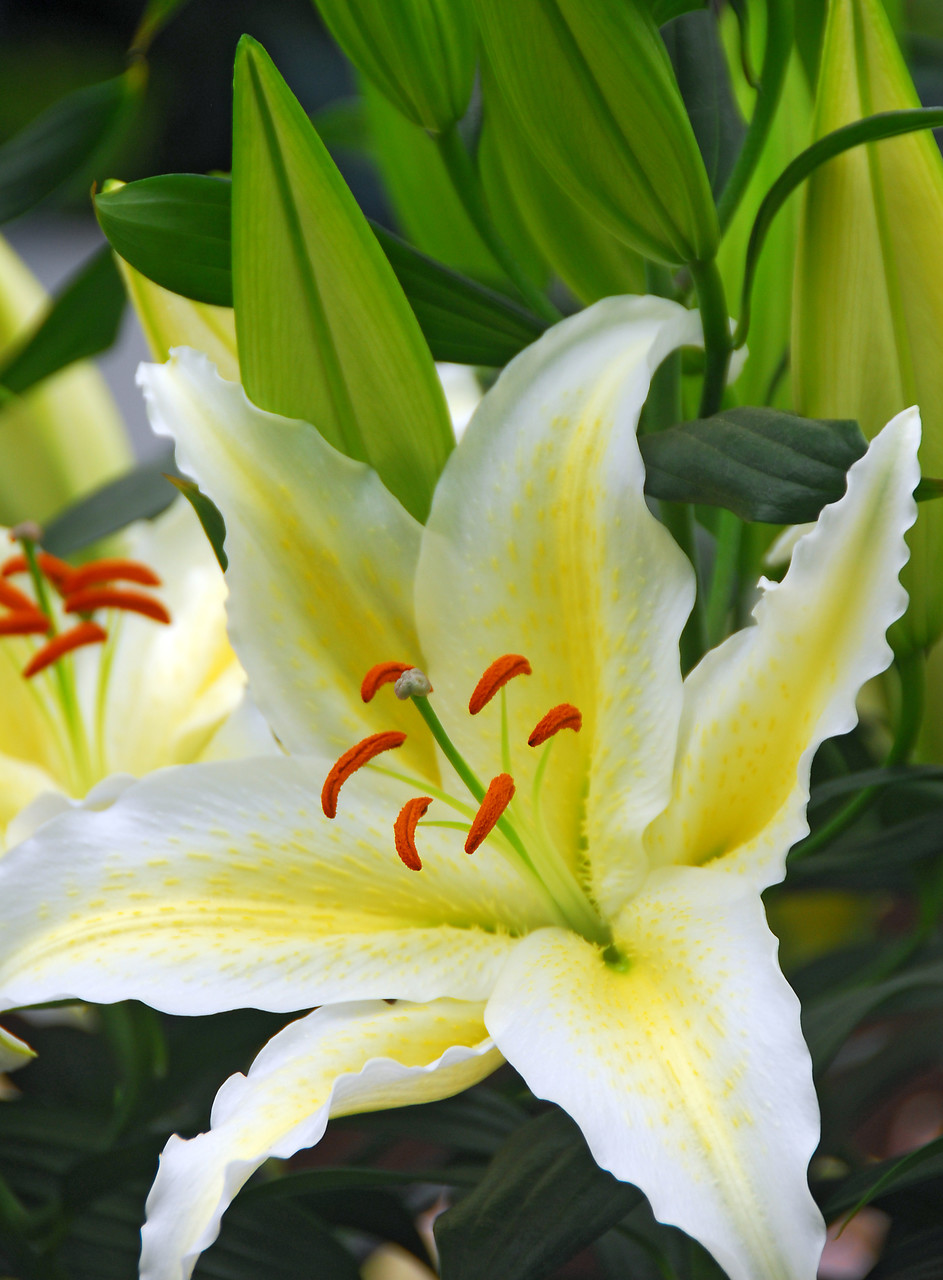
[(317, 546), (757, 707), (337, 1061), (540, 543), (686, 1071), (220, 886)]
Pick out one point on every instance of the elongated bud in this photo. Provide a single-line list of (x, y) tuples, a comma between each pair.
[(593, 91), (869, 279), (419, 53)]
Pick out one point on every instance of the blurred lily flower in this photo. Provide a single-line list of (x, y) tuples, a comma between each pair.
[(607, 935)]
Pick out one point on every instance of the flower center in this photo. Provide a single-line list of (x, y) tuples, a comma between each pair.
[(59, 617), (492, 817)]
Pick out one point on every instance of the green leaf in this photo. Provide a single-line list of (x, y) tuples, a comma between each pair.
[(542, 1200), (66, 141), (885, 124), (139, 494), (475, 1122), (880, 859), (759, 463), (174, 229), (888, 1176), (82, 321), (155, 17), (324, 331), (209, 515), (277, 1240)]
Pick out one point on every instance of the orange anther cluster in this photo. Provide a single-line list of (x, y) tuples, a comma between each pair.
[(82, 634), (57, 571), (404, 830), (25, 622), (352, 760), (383, 673), (112, 569), (93, 598), (13, 597), (495, 678), (499, 795), (565, 716)]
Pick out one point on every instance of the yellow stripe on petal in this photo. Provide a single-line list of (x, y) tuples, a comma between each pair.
[(756, 708), (682, 1062), (336, 1061)]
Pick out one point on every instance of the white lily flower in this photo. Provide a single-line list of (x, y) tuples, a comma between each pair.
[(607, 936)]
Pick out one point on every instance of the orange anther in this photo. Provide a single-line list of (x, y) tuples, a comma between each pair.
[(499, 795), (404, 830), (382, 673), (25, 622), (353, 760), (82, 634), (13, 597), (57, 571), (114, 598), (14, 564), (565, 716), (496, 677), (112, 570)]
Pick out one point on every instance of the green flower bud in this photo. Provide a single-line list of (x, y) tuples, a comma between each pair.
[(420, 54), (593, 92), (869, 279)]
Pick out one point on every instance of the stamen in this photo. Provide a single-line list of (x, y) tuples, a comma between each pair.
[(114, 598), (404, 830), (110, 570), (353, 760), (57, 571), (496, 677), (13, 597), (565, 716), (499, 795), (25, 622), (82, 634), (382, 673)]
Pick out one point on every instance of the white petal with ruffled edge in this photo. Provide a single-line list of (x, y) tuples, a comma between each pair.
[(350, 1058), (220, 886), (321, 558), (540, 543), (757, 707), (686, 1072)]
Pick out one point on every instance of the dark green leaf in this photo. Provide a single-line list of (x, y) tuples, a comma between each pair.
[(277, 1240), (210, 516), (928, 489), (177, 234), (140, 494), (542, 1200), (156, 16), (827, 1022), (759, 463), (916, 1256), (82, 321), (888, 1176), (174, 229), (475, 1122), (65, 141), (885, 124), (873, 861)]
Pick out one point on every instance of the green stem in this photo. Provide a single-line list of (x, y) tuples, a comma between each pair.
[(465, 180), (729, 532), (779, 30), (715, 318), (911, 671)]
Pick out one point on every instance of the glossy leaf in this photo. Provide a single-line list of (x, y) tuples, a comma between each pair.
[(139, 494), (174, 229), (82, 321), (759, 463), (886, 1178), (66, 141), (209, 515), (542, 1200), (324, 331)]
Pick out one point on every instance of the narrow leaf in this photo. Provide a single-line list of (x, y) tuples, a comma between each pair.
[(82, 321), (324, 331), (140, 494), (888, 1176), (65, 141), (759, 463), (155, 17), (209, 515), (885, 124), (542, 1200), (175, 230)]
